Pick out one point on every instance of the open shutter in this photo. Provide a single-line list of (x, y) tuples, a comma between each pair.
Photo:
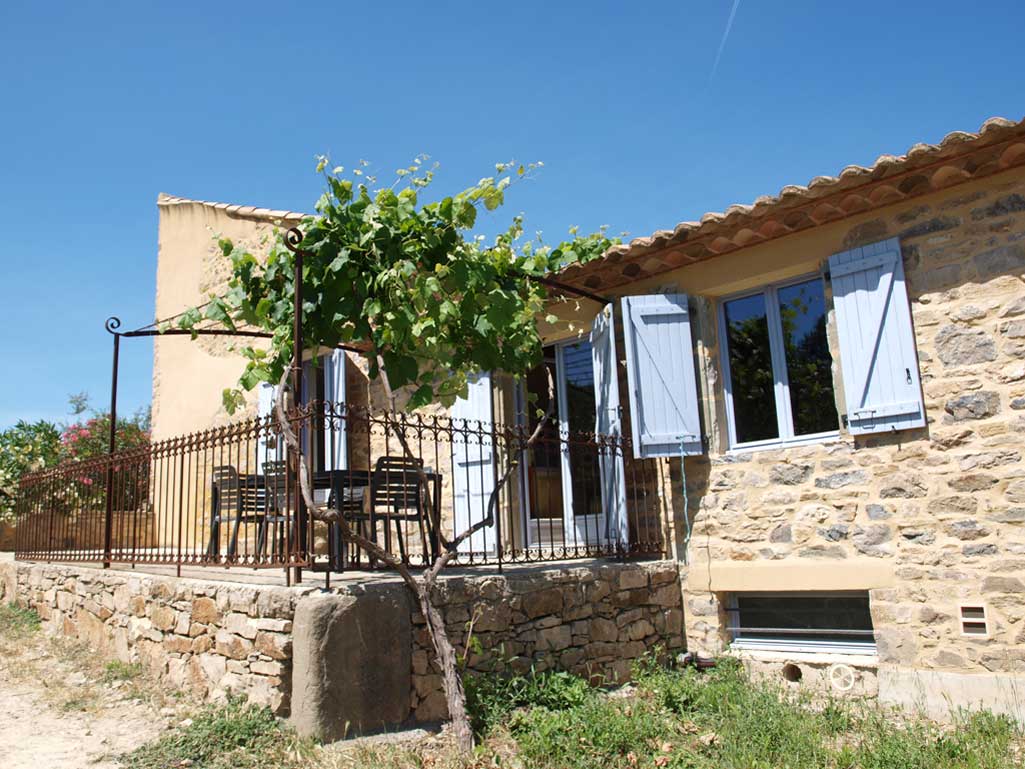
[(473, 463), (609, 422), (877, 342), (335, 444), (660, 372)]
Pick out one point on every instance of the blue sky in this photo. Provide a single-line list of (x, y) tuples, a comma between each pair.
[(106, 104)]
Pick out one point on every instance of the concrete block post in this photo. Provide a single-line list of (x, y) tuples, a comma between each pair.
[(352, 662)]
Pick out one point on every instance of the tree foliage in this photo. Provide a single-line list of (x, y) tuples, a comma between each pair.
[(26, 447), (30, 446), (403, 279)]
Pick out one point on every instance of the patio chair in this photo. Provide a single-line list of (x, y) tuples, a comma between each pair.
[(234, 499), (276, 513), (351, 506), (395, 490)]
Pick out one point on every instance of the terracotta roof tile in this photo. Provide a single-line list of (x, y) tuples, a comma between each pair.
[(960, 156), (244, 212)]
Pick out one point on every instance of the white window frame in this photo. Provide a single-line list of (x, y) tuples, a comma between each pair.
[(802, 646), (781, 388)]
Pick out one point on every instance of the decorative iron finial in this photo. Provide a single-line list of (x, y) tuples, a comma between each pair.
[(293, 238), (113, 324)]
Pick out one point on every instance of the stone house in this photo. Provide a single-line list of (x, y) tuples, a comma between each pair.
[(825, 391)]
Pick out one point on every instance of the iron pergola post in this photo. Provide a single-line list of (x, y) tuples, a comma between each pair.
[(293, 239), (112, 325)]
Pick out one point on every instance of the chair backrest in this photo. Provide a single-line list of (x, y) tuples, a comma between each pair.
[(242, 493), (396, 482), (224, 475), (274, 476)]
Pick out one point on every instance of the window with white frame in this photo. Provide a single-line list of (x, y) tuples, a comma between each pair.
[(777, 365), (838, 622)]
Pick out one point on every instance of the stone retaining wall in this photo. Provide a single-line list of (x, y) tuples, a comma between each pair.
[(593, 620), (216, 638), (212, 638)]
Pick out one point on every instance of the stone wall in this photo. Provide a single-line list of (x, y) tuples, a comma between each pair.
[(212, 638), (941, 509), (592, 620), (215, 638)]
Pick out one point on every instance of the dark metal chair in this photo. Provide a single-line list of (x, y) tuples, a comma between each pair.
[(276, 513), (350, 502), (395, 490), (234, 499)]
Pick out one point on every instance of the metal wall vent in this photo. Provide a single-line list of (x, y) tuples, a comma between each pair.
[(974, 621)]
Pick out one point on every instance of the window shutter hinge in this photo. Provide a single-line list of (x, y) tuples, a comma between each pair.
[(843, 420)]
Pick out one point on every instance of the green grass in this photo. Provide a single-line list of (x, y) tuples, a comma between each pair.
[(674, 719), (115, 670), (235, 735), (16, 622), (723, 720)]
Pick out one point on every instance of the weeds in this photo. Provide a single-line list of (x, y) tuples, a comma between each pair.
[(233, 735), (16, 622), (490, 698), (672, 719), (724, 720), (115, 671)]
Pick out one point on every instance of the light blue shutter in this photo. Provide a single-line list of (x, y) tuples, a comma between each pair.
[(473, 463), (335, 435), (877, 341), (660, 372), (609, 422)]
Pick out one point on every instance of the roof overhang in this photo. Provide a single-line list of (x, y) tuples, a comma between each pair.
[(960, 157)]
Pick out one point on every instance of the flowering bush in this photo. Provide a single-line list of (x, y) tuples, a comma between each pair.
[(88, 439), (26, 447)]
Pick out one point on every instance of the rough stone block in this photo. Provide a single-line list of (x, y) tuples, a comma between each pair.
[(205, 611), (961, 346), (352, 662), (554, 638), (542, 602), (977, 405)]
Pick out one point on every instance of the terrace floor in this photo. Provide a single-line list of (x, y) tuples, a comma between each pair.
[(276, 576)]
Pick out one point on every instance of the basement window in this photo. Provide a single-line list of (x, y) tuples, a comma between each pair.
[(802, 622)]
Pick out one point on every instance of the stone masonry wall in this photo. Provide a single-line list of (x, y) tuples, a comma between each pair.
[(945, 505), (594, 620), (212, 638), (218, 638)]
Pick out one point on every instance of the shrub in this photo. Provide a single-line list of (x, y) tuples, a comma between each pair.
[(491, 697), (26, 447)]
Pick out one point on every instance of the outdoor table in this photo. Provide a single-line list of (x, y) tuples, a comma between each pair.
[(354, 485)]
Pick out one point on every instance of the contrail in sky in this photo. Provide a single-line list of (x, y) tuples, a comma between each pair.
[(726, 34)]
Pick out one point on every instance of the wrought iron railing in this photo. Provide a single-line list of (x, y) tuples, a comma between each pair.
[(411, 483)]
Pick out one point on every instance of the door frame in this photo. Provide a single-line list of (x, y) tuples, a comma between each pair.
[(569, 519)]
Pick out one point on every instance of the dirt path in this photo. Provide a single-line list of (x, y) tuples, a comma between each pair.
[(61, 710), (35, 735)]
